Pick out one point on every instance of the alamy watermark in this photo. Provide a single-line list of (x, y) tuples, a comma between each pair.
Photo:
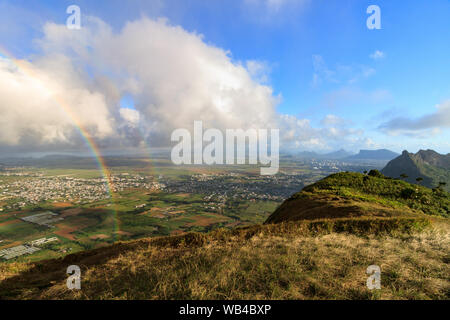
[(74, 281), (374, 20), (213, 153), (374, 280), (73, 22)]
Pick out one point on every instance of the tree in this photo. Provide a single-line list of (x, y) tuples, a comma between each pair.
[(403, 176), (375, 173), (419, 180), (407, 193)]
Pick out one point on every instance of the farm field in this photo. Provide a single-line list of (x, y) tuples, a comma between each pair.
[(129, 214), (135, 198)]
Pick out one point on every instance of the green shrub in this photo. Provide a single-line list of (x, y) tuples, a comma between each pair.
[(376, 173), (407, 193)]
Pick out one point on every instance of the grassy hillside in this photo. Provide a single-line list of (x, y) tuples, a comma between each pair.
[(359, 221), (350, 194), (294, 260)]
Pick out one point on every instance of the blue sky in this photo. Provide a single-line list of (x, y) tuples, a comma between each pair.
[(319, 56)]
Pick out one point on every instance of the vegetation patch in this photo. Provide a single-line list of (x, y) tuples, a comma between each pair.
[(349, 194)]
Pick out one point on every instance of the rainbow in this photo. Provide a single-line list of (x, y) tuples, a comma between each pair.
[(25, 69)]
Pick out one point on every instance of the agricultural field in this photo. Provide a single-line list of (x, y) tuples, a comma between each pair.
[(138, 198)]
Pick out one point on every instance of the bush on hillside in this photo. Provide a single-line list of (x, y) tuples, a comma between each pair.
[(376, 173), (407, 193)]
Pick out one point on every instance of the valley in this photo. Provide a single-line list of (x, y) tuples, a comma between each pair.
[(138, 199)]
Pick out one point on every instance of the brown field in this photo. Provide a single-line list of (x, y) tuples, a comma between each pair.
[(157, 215), (12, 244), (156, 212), (62, 204), (183, 195), (203, 221), (71, 212), (99, 236), (172, 211), (65, 230), (123, 233)]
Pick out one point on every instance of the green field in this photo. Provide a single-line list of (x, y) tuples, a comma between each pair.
[(131, 214)]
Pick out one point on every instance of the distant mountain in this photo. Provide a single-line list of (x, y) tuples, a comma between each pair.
[(340, 154), (429, 165), (381, 154), (59, 157), (307, 154)]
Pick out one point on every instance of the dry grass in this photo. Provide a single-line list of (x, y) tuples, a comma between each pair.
[(285, 261)]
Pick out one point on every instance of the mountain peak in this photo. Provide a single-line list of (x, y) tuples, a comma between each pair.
[(428, 165)]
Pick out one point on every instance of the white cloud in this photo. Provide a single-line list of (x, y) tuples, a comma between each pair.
[(333, 120), (39, 107), (258, 70), (321, 71), (131, 116), (424, 126), (173, 76), (275, 5), (274, 12), (377, 55), (349, 95), (340, 74)]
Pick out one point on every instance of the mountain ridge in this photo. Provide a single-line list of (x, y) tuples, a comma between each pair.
[(334, 155), (378, 154), (426, 167)]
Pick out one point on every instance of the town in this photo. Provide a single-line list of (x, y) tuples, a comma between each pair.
[(32, 188), (25, 186)]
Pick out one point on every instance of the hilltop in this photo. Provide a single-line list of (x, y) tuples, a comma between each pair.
[(299, 253), (351, 194), (429, 166)]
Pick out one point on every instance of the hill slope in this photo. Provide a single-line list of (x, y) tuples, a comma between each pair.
[(303, 259), (351, 195), (275, 261), (429, 165)]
